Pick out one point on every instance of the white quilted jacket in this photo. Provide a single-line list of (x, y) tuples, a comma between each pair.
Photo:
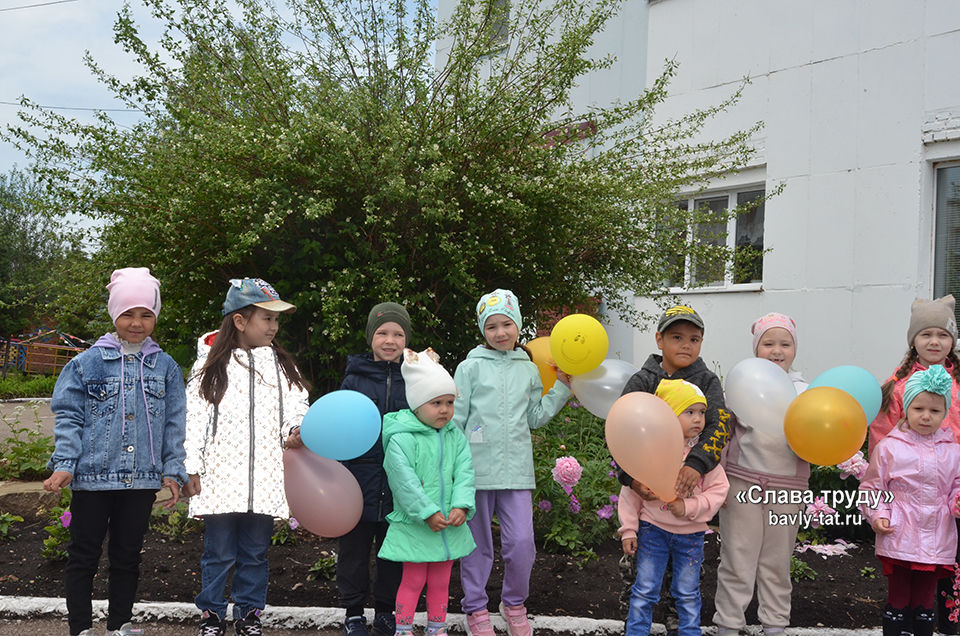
[(237, 450)]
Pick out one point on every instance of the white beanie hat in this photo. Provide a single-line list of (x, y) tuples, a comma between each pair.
[(424, 378)]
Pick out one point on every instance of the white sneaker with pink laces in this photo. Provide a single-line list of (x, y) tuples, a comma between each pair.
[(516, 618)]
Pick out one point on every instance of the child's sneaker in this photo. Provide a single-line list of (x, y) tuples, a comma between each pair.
[(478, 624), (249, 625), (516, 618), (355, 626), (384, 624), (211, 625), (127, 629)]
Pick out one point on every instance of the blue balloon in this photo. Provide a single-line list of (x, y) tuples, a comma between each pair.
[(341, 425), (858, 382)]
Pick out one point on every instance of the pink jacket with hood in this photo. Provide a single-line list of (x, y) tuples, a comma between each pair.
[(922, 472), (708, 496), (887, 420)]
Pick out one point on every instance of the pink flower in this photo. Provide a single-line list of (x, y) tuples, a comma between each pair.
[(545, 505), (605, 512), (817, 510), (567, 471), (614, 499), (294, 524), (574, 505), (563, 447), (856, 466), (65, 518)]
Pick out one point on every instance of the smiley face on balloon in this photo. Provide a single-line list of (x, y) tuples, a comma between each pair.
[(579, 344)]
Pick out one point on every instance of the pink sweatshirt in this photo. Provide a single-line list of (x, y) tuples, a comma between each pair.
[(708, 496), (887, 420)]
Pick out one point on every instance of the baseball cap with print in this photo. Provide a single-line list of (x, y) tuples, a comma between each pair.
[(677, 313), (254, 291)]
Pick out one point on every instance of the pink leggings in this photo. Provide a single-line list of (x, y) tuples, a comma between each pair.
[(437, 578)]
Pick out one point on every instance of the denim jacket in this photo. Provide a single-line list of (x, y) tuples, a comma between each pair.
[(105, 437)]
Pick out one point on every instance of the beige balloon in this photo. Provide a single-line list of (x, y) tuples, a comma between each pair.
[(646, 440)]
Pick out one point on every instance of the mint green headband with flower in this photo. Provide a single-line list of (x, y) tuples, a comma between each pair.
[(936, 379)]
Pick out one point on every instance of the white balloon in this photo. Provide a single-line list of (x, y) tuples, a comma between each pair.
[(758, 391), (597, 390)]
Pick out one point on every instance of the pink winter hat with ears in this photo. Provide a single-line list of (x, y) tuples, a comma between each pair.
[(132, 287), (768, 322)]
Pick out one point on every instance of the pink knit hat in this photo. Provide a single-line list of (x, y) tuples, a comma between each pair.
[(132, 287), (768, 322)]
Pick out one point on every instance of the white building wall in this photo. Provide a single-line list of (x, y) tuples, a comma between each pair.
[(846, 89)]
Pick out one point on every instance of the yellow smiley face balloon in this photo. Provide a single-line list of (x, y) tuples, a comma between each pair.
[(579, 344)]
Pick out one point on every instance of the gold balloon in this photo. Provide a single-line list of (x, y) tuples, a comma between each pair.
[(540, 348), (825, 425)]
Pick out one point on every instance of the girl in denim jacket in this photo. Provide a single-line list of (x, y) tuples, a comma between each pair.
[(119, 430)]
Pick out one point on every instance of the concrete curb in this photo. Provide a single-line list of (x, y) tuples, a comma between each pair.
[(313, 618)]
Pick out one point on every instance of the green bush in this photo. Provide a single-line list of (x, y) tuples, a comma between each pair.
[(58, 531), (25, 451), (6, 523), (175, 524), (19, 385), (578, 522)]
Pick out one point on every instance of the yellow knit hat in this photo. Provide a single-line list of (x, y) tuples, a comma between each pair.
[(680, 394)]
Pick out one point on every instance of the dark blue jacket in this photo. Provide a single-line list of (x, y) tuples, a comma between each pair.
[(381, 382)]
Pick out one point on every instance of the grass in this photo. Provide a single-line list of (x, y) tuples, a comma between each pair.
[(18, 385)]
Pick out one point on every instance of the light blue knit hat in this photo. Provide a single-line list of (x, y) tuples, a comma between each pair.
[(936, 379), (499, 301)]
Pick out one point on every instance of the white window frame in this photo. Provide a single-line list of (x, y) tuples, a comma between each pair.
[(937, 289), (727, 284)]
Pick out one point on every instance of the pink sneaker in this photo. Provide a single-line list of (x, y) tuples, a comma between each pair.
[(478, 624), (516, 618)]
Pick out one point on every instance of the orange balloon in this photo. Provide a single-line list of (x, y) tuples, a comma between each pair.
[(646, 440), (540, 348), (825, 425)]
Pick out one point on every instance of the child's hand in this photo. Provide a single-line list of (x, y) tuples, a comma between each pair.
[(192, 487), (645, 493), (437, 521), (564, 378), (629, 546), (293, 439), (677, 507), (686, 480), (882, 526), (457, 516), (174, 491), (57, 480)]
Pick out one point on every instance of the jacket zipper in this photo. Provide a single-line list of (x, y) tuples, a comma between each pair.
[(443, 498), (252, 437), (383, 476)]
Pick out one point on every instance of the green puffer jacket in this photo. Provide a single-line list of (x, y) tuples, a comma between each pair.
[(429, 470), (500, 401)]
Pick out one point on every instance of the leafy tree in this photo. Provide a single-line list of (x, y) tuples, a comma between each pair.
[(322, 147)]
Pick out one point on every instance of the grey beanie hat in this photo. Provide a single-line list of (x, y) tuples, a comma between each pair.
[(932, 313)]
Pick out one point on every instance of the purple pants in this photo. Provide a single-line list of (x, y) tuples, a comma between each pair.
[(514, 510)]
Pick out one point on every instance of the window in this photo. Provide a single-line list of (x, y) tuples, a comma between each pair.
[(743, 235), (946, 256)]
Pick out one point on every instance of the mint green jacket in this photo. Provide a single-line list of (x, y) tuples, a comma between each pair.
[(429, 471), (499, 403)]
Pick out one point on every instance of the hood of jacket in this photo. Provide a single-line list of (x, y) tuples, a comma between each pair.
[(406, 421), (483, 352), (110, 341)]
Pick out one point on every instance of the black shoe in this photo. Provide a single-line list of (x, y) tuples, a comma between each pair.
[(249, 625), (923, 621), (894, 621), (356, 626), (212, 625), (384, 624)]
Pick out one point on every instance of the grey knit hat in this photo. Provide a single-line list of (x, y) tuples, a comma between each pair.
[(932, 313)]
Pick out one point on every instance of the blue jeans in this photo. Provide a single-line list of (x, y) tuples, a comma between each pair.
[(655, 547), (236, 540)]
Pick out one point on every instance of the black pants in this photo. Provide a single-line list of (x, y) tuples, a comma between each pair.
[(353, 569), (125, 514)]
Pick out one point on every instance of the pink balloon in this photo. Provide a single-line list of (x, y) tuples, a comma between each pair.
[(323, 495), (646, 440)]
